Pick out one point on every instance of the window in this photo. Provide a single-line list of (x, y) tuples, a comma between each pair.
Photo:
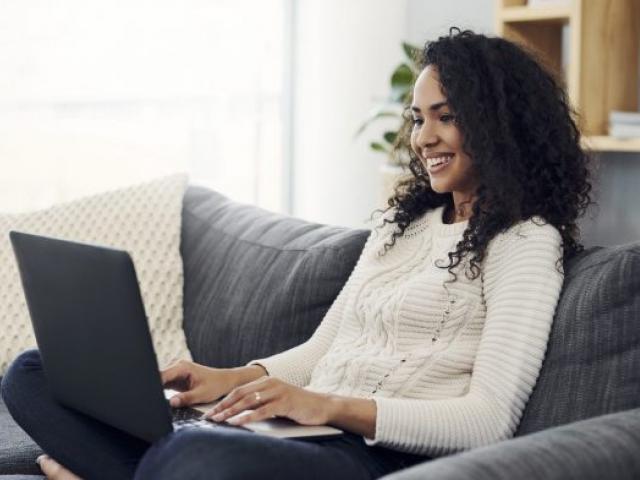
[(96, 95)]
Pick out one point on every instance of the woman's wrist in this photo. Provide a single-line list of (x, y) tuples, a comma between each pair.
[(357, 415), (242, 375)]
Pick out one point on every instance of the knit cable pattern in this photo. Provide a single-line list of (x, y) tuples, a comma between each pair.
[(468, 387)]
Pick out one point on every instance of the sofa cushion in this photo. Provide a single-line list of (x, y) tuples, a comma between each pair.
[(591, 365), (17, 451), (601, 448), (145, 220), (256, 282), (22, 477)]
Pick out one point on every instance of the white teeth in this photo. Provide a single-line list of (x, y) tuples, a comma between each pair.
[(438, 160)]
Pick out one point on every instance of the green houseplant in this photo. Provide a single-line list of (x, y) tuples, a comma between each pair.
[(401, 82)]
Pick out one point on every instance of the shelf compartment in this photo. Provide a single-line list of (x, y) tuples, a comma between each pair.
[(535, 15), (603, 47)]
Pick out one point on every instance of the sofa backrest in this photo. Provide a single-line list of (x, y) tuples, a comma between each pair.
[(256, 282), (592, 364)]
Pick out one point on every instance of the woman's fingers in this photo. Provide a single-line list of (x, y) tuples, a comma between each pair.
[(236, 395), (249, 401), (177, 372), (251, 395), (176, 376), (189, 397), (258, 414)]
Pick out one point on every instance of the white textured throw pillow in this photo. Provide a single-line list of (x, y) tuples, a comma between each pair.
[(144, 220)]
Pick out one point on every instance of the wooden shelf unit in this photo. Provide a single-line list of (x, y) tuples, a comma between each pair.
[(603, 56), (521, 14), (605, 143)]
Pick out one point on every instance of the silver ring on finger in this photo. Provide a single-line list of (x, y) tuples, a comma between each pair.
[(258, 397)]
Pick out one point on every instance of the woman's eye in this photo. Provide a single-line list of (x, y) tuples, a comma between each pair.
[(446, 118), (416, 121)]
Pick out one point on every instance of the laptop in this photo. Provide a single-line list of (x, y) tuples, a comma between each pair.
[(93, 335)]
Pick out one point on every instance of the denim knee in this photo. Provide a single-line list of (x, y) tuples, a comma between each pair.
[(27, 360), (196, 453)]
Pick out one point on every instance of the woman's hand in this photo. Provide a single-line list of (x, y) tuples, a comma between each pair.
[(270, 397), (200, 384)]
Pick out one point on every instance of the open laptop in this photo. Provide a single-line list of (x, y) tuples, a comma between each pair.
[(92, 332)]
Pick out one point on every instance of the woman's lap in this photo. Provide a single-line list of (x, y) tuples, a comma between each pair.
[(94, 450), (85, 445), (199, 453)]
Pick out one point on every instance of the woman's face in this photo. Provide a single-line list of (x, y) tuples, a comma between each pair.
[(436, 139)]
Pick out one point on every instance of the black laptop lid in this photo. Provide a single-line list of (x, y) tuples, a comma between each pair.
[(92, 332)]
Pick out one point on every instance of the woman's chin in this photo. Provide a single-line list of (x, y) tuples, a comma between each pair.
[(438, 186)]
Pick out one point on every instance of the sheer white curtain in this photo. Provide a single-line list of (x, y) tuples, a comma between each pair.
[(95, 95)]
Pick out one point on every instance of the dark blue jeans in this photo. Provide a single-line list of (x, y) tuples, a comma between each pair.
[(95, 450)]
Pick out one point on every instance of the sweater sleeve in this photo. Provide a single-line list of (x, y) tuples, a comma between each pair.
[(296, 364), (521, 288)]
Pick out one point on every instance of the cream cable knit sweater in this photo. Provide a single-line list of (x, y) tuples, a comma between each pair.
[(452, 381)]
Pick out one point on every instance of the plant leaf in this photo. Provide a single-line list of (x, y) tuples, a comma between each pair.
[(390, 136), (378, 147), (402, 80), (402, 76), (412, 53)]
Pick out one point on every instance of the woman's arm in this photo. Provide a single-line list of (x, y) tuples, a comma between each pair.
[(521, 289)]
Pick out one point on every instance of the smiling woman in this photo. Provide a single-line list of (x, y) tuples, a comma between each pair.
[(409, 362), (514, 145), (437, 141)]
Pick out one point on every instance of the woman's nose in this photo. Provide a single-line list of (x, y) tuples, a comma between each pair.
[(427, 136)]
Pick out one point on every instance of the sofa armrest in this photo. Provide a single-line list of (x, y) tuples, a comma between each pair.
[(593, 449)]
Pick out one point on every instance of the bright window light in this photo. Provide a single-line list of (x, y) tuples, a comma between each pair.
[(96, 95)]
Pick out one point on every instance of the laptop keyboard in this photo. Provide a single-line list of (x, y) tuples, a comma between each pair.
[(185, 413), (190, 417)]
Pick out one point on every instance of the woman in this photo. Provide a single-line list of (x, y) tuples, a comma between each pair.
[(436, 340)]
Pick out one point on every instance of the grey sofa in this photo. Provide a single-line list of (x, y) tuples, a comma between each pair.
[(257, 283)]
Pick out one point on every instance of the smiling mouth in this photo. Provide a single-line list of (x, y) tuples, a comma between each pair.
[(437, 164)]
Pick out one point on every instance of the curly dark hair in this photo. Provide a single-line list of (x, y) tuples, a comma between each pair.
[(519, 131)]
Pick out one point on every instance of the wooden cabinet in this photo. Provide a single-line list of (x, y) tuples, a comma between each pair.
[(597, 55)]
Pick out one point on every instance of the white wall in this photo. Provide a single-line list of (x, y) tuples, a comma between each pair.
[(428, 19), (345, 53)]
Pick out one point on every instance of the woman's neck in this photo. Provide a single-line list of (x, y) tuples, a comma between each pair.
[(456, 215), (460, 207)]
